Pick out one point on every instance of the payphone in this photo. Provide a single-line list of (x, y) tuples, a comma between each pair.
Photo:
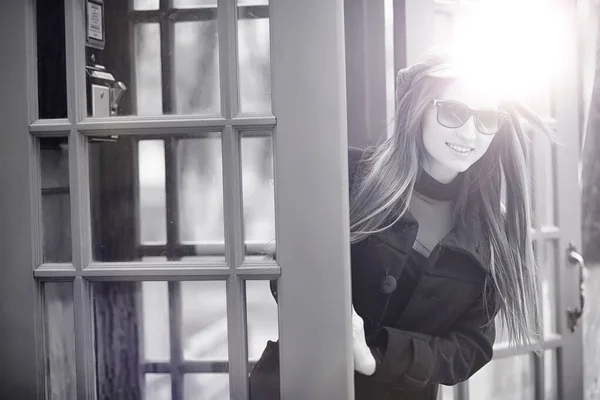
[(103, 90)]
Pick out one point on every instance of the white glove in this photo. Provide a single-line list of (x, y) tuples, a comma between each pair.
[(364, 362)]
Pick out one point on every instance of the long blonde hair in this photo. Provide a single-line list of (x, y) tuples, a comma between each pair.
[(381, 197)]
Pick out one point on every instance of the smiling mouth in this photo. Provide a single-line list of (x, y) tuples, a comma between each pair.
[(460, 149)]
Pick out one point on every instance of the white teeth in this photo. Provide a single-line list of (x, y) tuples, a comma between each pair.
[(459, 149)]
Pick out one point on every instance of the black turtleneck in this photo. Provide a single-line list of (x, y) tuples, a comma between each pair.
[(433, 189)]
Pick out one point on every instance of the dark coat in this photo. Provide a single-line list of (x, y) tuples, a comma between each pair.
[(444, 334)]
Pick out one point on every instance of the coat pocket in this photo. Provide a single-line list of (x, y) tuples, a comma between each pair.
[(264, 378)]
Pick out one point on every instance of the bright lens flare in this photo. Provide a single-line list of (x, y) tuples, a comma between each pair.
[(513, 48)]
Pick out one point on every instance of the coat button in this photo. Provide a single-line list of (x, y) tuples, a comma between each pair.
[(388, 285)]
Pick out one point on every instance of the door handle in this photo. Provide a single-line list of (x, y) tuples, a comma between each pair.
[(576, 259)]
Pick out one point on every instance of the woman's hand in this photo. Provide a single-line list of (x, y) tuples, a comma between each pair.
[(364, 362)]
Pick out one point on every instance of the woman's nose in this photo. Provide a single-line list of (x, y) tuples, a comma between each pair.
[(468, 131)]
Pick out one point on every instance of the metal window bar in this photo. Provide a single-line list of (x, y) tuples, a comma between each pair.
[(167, 44), (193, 14), (174, 287), (175, 317), (204, 248)]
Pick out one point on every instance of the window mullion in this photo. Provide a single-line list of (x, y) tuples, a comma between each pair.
[(236, 312), (79, 193), (234, 247), (228, 57)]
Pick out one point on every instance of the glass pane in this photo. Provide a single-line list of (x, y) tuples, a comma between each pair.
[(541, 100), (118, 335), (258, 194), (145, 4), (390, 61), (136, 186), (52, 75), (502, 336), (206, 386), (56, 207), (155, 63), (547, 212), (533, 188), (204, 320), (152, 190), (158, 387), (443, 26), (261, 312), (213, 3), (501, 332), (509, 378), (550, 375), (60, 340), (254, 59), (549, 270), (155, 321), (196, 56), (148, 78), (200, 181), (194, 3), (543, 155), (130, 341)]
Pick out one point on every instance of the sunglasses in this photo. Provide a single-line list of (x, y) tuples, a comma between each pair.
[(454, 114)]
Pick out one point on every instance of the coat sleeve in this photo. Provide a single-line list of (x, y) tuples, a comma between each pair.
[(410, 361)]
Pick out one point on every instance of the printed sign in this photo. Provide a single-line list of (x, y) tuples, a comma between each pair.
[(95, 24), (95, 28)]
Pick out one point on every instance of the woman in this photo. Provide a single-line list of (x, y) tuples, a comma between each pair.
[(434, 254)]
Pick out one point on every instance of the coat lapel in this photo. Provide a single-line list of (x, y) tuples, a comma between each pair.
[(467, 236)]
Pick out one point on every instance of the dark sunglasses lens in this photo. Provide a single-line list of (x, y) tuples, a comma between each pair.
[(489, 122), (452, 115)]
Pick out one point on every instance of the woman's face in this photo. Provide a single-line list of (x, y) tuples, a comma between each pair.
[(450, 151)]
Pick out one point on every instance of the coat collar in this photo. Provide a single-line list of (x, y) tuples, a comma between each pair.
[(467, 236)]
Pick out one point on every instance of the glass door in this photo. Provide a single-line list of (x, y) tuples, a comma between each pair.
[(161, 151)]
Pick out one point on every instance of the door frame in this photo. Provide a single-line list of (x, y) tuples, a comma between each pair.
[(19, 300), (316, 113)]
